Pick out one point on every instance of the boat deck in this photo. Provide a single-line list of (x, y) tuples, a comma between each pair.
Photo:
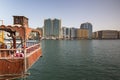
[(14, 66)]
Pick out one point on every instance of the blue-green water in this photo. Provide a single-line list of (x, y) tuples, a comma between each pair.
[(78, 60)]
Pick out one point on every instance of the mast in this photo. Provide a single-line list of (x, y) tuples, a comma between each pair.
[(25, 61)]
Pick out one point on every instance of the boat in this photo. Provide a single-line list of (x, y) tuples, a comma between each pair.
[(17, 59)]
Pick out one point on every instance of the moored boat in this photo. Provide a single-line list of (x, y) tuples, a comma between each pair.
[(16, 59)]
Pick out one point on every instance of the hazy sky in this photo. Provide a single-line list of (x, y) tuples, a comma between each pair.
[(103, 14)]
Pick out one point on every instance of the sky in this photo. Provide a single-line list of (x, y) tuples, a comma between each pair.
[(102, 14)]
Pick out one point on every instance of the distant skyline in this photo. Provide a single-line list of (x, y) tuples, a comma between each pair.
[(102, 14)]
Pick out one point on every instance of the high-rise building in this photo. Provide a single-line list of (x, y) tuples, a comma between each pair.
[(56, 28), (52, 28), (87, 26), (47, 27)]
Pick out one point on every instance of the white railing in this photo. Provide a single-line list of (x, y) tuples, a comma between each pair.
[(19, 52), (32, 48), (9, 53)]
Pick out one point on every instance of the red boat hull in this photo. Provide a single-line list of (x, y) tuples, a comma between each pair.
[(16, 66)]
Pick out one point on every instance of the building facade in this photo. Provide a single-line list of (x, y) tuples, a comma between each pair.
[(73, 33), (106, 34), (52, 28), (82, 33), (48, 29), (109, 34), (94, 35), (118, 34), (56, 28), (87, 26), (66, 33)]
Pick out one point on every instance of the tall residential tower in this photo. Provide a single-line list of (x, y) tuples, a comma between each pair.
[(52, 28), (87, 26), (48, 29)]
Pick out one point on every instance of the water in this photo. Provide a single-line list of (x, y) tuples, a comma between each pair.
[(78, 60)]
